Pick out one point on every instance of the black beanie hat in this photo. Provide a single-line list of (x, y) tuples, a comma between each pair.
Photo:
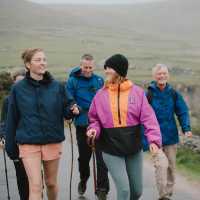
[(119, 63)]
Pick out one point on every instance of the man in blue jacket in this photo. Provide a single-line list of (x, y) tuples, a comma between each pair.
[(167, 103), (83, 85)]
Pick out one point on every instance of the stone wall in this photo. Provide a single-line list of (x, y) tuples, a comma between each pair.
[(192, 143)]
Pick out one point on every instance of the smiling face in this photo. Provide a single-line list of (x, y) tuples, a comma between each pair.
[(87, 67), (111, 74), (161, 75), (37, 64)]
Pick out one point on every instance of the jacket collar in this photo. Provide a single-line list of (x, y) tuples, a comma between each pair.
[(126, 85), (76, 72), (47, 78), (153, 85)]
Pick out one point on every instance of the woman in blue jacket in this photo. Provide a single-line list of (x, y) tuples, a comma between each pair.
[(35, 123)]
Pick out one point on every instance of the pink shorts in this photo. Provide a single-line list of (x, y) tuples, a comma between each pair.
[(45, 152)]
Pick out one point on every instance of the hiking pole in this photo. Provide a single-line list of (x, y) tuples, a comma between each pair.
[(6, 170), (94, 169), (42, 177), (91, 143), (72, 160)]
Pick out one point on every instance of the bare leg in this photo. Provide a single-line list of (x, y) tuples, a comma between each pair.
[(33, 169), (50, 176)]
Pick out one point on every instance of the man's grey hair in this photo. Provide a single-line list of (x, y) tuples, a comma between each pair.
[(159, 67), (87, 57)]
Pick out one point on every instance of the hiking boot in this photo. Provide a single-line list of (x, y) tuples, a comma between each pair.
[(82, 187), (101, 195)]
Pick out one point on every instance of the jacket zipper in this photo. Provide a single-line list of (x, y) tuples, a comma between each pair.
[(118, 104)]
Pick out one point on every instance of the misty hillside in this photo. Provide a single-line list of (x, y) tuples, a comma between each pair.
[(147, 33)]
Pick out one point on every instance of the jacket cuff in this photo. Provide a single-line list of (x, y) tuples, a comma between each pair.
[(186, 129)]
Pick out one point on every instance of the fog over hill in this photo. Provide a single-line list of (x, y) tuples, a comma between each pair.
[(164, 31)]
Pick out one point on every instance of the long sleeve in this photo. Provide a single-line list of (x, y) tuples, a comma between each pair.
[(182, 113), (94, 122), (11, 126), (68, 102), (150, 123), (69, 86), (4, 111)]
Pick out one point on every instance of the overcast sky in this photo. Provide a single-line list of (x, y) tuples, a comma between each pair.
[(92, 1)]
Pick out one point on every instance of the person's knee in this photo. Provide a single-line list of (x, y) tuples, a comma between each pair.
[(160, 160), (36, 188), (124, 193), (51, 185)]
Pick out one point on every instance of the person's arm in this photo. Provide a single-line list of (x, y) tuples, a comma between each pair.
[(11, 126), (70, 108), (94, 128), (150, 123), (4, 111), (182, 113), (70, 86), (102, 82)]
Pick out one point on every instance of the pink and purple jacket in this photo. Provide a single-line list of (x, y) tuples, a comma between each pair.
[(117, 112)]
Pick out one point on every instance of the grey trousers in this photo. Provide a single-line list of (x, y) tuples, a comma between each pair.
[(126, 173)]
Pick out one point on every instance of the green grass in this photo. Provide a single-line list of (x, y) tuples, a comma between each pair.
[(188, 163), (132, 30)]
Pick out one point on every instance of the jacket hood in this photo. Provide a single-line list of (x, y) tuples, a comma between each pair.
[(47, 78), (153, 86), (76, 72)]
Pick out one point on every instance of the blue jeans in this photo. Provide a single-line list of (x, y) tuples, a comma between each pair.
[(126, 173)]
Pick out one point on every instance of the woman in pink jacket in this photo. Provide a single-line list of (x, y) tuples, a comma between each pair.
[(116, 115)]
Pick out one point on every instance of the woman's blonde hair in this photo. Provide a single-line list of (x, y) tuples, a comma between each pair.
[(28, 54)]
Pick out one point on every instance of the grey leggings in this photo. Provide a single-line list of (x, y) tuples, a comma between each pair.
[(126, 173)]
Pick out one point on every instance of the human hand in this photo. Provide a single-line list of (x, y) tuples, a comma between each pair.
[(75, 109), (153, 148), (188, 134), (91, 133), (2, 143)]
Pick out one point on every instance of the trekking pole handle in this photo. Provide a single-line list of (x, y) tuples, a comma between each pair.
[(91, 141), (2, 140)]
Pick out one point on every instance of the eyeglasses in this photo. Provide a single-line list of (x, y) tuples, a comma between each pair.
[(39, 60)]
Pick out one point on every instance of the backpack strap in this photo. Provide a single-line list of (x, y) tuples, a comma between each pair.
[(149, 95), (174, 94)]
